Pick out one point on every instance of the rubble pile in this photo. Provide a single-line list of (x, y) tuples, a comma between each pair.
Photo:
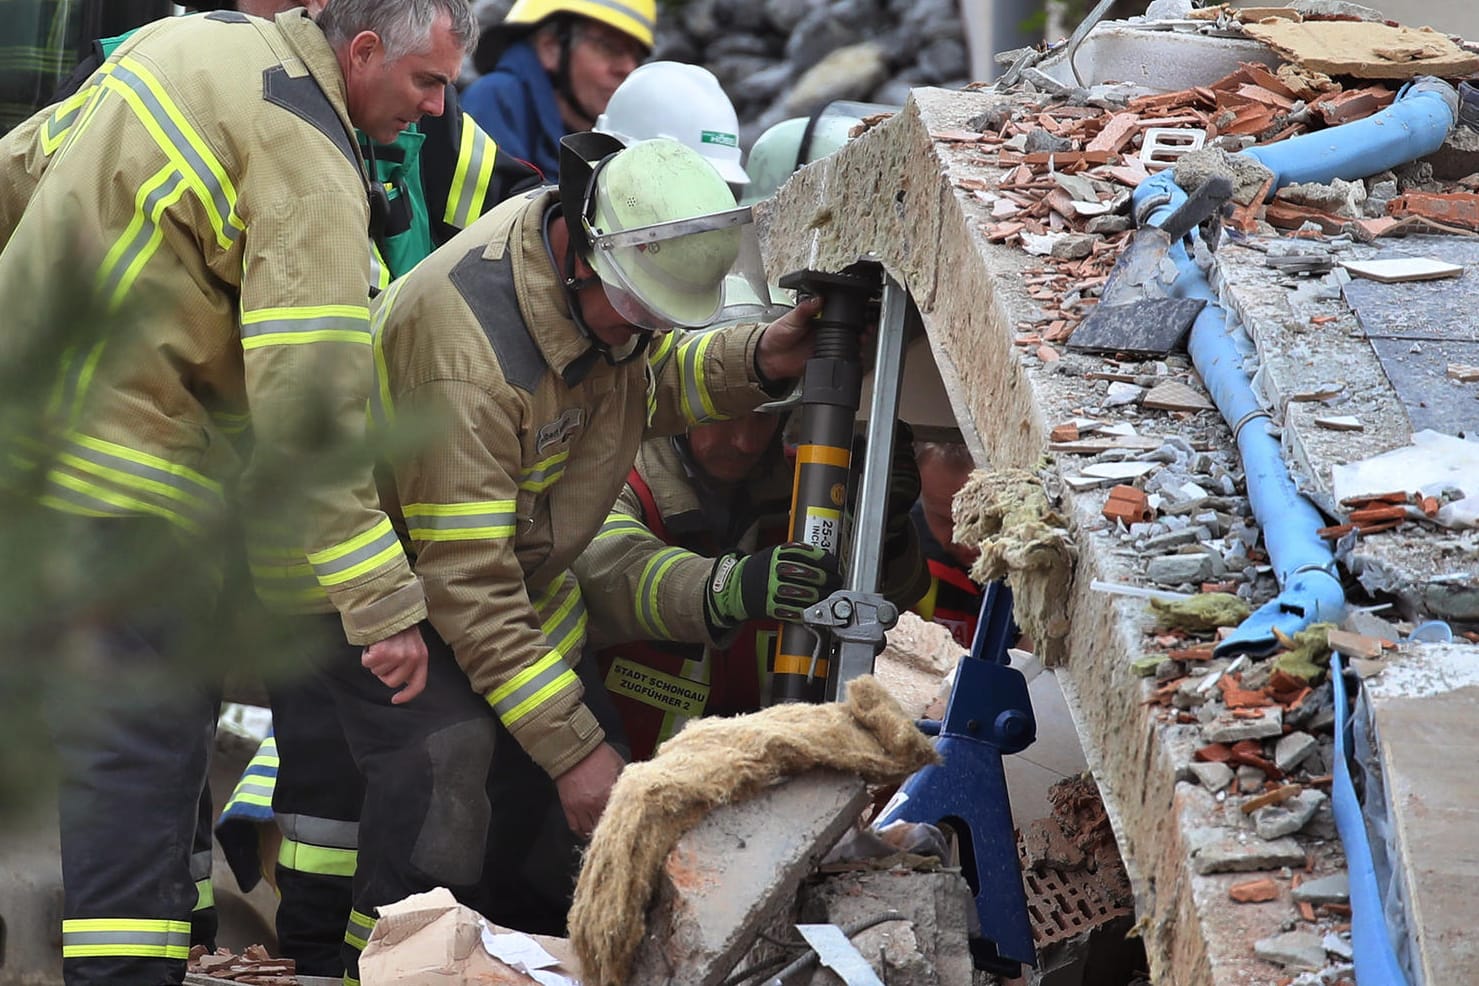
[(1071, 157), (253, 967)]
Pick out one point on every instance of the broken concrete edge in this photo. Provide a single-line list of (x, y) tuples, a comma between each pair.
[(701, 923)]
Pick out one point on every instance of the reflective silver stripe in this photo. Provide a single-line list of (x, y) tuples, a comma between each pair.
[(472, 169), (424, 522), (690, 367), (359, 325), (200, 865), (332, 567), (223, 201), (361, 921), (511, 706), (648, 590), (144, 236), (312, 830), (190, 488), (155, 939), (626, 11), (244, 790), (571, 626), (537, 479)]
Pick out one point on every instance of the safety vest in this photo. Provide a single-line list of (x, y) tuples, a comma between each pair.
[(658, 686)]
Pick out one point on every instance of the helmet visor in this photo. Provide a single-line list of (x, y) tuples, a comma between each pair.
[(669, 274)]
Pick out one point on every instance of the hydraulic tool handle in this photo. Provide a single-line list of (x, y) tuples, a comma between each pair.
[(831, 389)]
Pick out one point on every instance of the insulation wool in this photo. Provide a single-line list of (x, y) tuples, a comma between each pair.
[(714, 762), (1025, 541)]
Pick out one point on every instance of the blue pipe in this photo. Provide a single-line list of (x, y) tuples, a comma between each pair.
[(1375, 957), (1415, 124)]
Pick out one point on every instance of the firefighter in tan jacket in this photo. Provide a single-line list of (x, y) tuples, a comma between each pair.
[(227, 196), (526, 338)]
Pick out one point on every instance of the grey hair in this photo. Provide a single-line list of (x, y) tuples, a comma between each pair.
[(404, 26), (948, 453)]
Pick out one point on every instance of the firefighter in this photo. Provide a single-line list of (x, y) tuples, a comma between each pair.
[(953, 599), (684, 102), (159, 194), (715, 496), (531, 334), (550, 68)]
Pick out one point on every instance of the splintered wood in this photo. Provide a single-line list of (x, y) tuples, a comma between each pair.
[(1070, 203)]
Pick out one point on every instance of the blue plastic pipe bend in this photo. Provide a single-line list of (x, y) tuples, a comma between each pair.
[(1416, 124)]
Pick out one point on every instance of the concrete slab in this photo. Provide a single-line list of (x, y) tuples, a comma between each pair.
[(897, 195), (1425, 709), (726, 878)]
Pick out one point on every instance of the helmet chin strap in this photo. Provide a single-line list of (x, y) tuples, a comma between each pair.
[(572, 286)]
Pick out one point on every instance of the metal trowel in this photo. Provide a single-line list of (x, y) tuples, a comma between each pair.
[(1134, 314)]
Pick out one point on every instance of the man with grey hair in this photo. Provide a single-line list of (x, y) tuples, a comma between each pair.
[(228, 194)]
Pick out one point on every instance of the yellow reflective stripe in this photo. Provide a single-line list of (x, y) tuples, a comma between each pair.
[(379, 270), (136, 475), (362, 553), (649, 588), (531, 688), (478, 520), (323, 860), (542, 475), (565, 627), (358, 930), (125, 937), (382, 408), (57, 125), (141, 237), (300, 326), (205, 894), (475, 157), (620, 525), (179, 475), (72, 488), (698, 406), (232, 422), (179, 140)]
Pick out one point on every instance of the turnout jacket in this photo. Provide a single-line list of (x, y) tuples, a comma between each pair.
[(533, 438), (228, 196), (643, 577)]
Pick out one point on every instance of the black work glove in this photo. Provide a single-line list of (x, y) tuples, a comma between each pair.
[(777, 582)]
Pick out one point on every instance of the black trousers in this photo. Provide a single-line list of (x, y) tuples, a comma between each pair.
[(133, 735), (316, 801), (449, 799)]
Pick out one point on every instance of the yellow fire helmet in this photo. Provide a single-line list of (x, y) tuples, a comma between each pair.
[(637, 18)]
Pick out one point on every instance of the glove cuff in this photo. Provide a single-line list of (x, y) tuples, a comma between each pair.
[(723, 584)]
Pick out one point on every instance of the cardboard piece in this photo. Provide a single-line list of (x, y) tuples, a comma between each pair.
[(1391, 270), (431, 940), (1366, 50)]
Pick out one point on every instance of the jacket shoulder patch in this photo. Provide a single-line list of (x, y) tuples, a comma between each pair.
[(488, 289), (303, 98)]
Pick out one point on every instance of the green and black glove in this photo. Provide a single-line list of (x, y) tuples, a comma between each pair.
[(777, 582)]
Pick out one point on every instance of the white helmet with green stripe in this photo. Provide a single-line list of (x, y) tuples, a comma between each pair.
[(682, 102)]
